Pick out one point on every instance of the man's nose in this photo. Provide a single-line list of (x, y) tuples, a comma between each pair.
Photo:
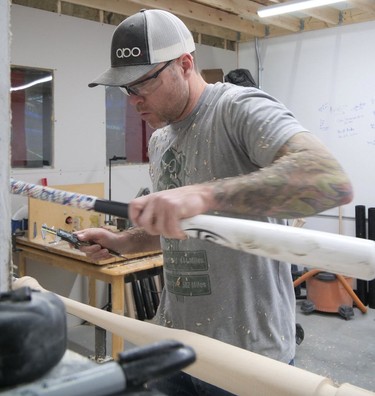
[(135, 99)]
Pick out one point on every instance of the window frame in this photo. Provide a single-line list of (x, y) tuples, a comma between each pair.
[(32, 126)]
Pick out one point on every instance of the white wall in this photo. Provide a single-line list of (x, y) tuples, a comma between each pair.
[(334, 67)]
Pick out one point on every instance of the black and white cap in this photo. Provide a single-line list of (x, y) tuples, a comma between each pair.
[(142, 41)]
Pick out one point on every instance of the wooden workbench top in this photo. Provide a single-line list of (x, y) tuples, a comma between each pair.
[(63, 248), (67, 258)]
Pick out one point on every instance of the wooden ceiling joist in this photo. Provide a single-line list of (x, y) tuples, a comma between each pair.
[(229, 20)]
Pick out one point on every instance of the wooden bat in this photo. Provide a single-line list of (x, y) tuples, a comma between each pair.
[(234, 369), (349, 256)]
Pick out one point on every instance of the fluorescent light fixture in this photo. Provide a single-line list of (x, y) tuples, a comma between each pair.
[(291, 6), (40, 81)]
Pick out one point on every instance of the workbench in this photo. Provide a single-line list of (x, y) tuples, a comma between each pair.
[(115, 272)]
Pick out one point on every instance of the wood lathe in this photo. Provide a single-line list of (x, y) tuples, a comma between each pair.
[(234, 369)]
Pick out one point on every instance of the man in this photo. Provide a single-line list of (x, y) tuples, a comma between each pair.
[(219, 149)]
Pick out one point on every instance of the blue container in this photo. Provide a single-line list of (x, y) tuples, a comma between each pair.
[(16, 226), (20, 225)]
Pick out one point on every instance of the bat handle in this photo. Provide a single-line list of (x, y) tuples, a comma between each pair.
[(112, 208)]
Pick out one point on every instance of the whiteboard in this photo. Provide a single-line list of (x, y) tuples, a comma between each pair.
[(327, 79)]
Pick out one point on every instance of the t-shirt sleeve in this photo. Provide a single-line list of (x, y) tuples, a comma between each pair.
[(259, 123)]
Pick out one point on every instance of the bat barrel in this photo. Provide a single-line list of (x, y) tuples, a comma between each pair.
[(350, 256)]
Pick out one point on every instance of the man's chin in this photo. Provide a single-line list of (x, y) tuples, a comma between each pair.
[(153, 121), (156, 124)]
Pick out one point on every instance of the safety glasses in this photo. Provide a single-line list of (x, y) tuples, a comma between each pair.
[(145, 86)]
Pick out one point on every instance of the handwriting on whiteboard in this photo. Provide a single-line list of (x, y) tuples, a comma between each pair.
[(354, 120)]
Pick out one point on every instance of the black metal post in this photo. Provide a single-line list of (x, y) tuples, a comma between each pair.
[(371, 236), (360, 232)]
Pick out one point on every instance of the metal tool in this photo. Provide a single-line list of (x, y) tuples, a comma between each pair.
[(72, 239), (127, 376)]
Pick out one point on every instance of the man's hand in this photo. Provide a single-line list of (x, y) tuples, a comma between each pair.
[(102, 240), (160, 213)]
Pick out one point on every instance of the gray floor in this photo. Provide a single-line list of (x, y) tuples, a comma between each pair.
[(343, 350)]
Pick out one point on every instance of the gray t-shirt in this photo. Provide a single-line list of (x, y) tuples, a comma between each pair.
[(239, 298)]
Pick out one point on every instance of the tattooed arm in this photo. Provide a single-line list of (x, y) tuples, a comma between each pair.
[(303, 180)]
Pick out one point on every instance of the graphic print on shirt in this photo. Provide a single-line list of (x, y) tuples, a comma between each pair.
[(185, 271), (172, 170)]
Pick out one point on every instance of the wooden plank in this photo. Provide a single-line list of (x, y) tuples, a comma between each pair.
[(206, 14), (364, 5), (200, 25), (284, 22), (234, 20), (327, 15), (112, 267), (128, 8), (63, 249)]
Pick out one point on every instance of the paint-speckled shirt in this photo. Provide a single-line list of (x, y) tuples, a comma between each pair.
[(239, 298)]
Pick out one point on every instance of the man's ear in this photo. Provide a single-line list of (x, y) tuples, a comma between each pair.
[(187, 63)]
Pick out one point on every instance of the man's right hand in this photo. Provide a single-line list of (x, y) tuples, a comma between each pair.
[(101, 240)]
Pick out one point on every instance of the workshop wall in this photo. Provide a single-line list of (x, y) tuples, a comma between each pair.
[(327, 79)]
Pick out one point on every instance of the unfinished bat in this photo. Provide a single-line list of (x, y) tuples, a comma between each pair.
[(349, 256), (234, 369)]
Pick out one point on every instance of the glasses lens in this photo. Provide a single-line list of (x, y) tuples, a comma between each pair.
[(124, 90), (146, 86), (142, 89)]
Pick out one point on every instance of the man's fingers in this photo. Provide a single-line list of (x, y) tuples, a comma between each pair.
[(160, 221), (95, 252)]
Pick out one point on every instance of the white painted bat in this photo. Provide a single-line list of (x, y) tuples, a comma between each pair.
[(349, 256)]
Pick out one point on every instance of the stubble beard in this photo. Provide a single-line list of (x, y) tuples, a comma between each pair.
[(172, 112)]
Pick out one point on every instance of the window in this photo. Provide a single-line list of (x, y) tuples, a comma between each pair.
[(32, 121), (127, 133)]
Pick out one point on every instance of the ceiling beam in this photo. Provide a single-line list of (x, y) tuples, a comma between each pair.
[(231, 20), (284, 22), (124, 7), (128, 8), (216, 31), (238, 7), (331, 16), (206, 14), (365, 5), (248, 10)]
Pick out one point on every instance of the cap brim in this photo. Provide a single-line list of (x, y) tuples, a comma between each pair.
[(119, 76)]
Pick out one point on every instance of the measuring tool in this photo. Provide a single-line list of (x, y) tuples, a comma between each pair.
[(72, 239)]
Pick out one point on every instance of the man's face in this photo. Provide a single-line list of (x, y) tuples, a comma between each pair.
[(161, 100)]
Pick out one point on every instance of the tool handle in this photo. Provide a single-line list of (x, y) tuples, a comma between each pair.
[(112, 208)]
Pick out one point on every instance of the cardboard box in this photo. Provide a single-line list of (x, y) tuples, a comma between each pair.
[(213, 75)]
